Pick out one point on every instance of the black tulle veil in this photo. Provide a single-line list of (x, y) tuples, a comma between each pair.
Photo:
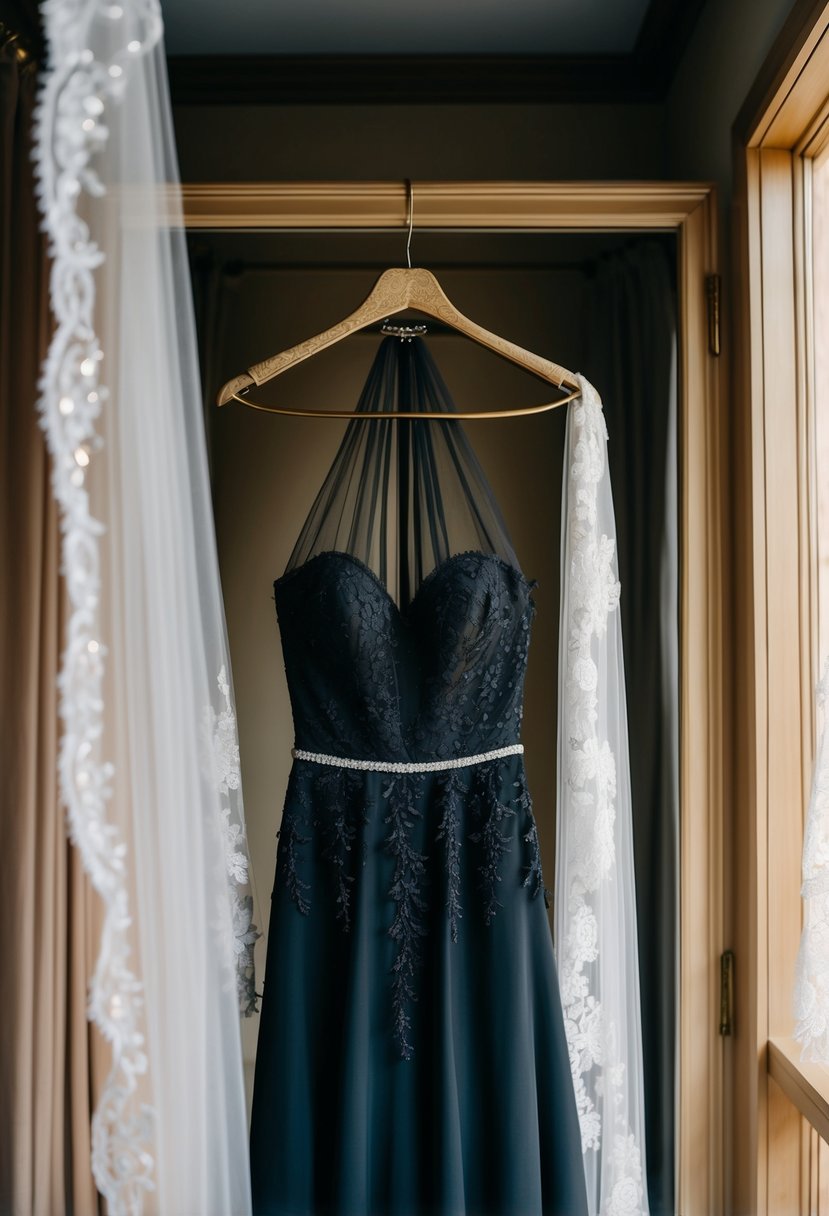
[(403, 496)]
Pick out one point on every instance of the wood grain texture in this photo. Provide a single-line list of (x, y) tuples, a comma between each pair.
[(506, 206), (702, 445), (746, 1129), (790, 86), (398, 289), (806, 1085), (781, 125)]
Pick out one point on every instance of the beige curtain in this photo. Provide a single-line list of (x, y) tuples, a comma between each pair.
[(48, 912)]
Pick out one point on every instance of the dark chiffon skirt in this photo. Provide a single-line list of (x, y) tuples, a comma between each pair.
[(480, 1119)]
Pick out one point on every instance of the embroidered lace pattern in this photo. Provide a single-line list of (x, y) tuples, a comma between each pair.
[(339, 800), (76, 92), (407, 927), (589, 769), (437, 690), (532, 871), (332, 807), (222, 732), (291, 835), (811, 997), (490, 814), (78, 106), (451, 793)]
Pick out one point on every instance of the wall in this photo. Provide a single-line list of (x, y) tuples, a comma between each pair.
[(432, 143), (687, 137), (724, 56)]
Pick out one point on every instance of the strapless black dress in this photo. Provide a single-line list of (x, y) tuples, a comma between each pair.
[(412, 1058)]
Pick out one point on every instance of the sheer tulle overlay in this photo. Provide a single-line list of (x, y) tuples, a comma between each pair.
[(149, 762), (402, 496)]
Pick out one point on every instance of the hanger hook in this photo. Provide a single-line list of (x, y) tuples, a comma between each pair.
[(410, 194)]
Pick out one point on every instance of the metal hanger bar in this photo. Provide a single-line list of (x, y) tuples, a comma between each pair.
[(417, 415)]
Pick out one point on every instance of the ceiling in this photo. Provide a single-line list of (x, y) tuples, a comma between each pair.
[(380, 52), (394, 27)]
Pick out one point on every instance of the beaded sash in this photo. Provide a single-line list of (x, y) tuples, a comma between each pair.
[(401, 766)]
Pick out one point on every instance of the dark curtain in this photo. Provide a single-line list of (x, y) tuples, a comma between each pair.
[(48, 917), (633, 340)]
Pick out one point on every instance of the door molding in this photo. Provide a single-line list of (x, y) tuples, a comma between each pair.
[(688, 209), (507, 206)]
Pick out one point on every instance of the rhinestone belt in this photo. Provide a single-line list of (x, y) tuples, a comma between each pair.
[(414, 766)]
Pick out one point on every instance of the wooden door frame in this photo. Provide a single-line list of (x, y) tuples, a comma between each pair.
[(690, 211), (781, 1103)]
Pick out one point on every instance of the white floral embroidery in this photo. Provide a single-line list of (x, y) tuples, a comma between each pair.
[(626, 1192), (71, 117), (811, 997), (224, 750), (594, 593), (226, 744)]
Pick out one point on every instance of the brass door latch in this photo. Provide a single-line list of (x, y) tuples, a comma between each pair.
[(727, 992)]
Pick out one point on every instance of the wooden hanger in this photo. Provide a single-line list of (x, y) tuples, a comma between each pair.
[(394, 291)]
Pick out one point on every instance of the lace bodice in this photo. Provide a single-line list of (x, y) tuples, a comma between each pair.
[(443, 678)]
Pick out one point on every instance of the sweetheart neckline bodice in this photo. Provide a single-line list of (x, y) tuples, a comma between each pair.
[(430, 578), (441, 678)]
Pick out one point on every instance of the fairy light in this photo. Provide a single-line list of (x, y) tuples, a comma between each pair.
[(66, 405)]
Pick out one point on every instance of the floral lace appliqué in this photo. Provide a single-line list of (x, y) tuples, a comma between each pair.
[(228, 776), (491, 813), (449, 833), (291, 837), (407, 927), (532, 871), (599, 1075), (338, 791)]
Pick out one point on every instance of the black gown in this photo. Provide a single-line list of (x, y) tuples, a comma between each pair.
[(412, 1058)]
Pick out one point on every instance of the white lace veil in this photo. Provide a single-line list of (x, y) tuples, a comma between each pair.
[(149, 762), (595, 903)]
